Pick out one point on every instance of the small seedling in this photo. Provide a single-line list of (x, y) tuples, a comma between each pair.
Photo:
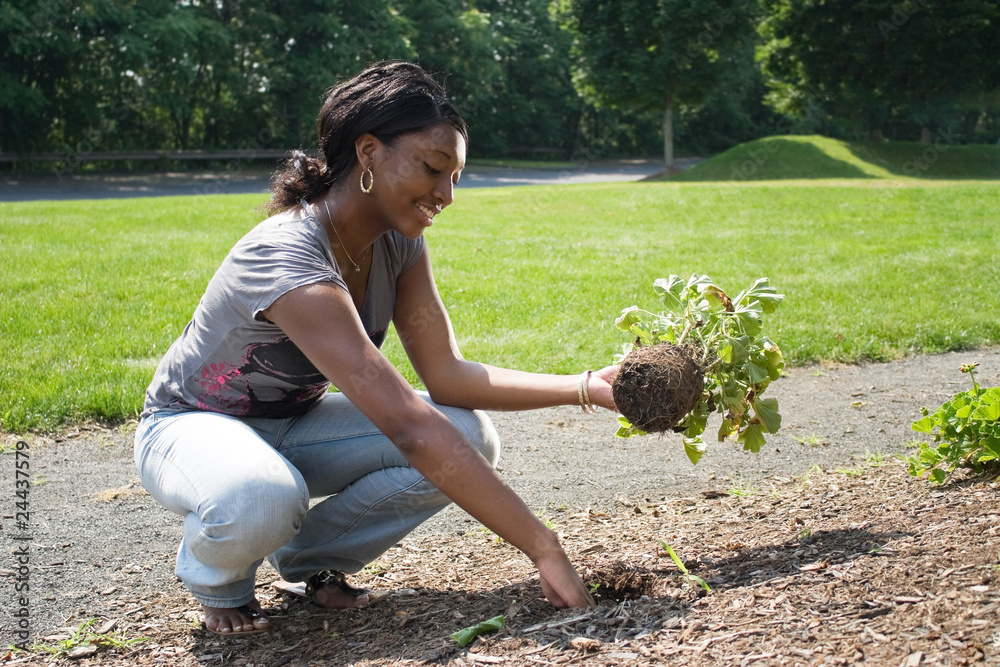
[(811, 440), (741, 488), (807, 477), (85, 636), (376, 568), (491, 535), (690, 578), (805, 534), (875, 459), (853, 472)]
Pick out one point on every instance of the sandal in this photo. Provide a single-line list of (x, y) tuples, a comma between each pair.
[(250, 612), (312, 585)]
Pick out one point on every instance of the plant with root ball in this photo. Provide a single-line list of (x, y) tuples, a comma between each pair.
[(705, 353)]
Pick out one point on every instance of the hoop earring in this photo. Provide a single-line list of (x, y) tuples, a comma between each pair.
[(371, 183)]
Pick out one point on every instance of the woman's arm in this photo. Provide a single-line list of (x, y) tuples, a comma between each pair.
[(425, 330), (322, 322)]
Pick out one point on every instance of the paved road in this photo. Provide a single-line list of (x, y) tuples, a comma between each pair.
[(37, 187)]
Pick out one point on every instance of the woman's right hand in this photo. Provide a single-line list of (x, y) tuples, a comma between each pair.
[(560, 581)]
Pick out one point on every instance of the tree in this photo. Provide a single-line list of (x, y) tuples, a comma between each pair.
[(455, 41), (733, 113), (879, 60), (312, 45), (59, 62), (655, 54), (537, 109)]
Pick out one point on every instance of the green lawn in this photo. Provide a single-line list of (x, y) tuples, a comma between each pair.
[(95, 291)]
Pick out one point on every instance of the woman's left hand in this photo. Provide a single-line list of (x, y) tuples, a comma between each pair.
[(599, 388)]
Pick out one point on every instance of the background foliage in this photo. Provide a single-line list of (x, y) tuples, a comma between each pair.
[(570, 79)]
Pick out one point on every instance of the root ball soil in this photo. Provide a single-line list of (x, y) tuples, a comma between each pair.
[(657, 385)]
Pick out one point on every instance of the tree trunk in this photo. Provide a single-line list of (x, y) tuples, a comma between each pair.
[(876, 136), (668, 134), (186, 131), (926, 136)]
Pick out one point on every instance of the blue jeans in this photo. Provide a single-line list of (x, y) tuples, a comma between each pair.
[(243, 487)]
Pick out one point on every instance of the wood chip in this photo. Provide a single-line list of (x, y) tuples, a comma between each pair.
[(81, 652), (107, 627), (585, 643), (809, 567)]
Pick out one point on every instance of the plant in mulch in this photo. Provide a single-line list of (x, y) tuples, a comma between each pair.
[(690, 578), (967, 433), (465, 636), (85, 641), (705, 353)]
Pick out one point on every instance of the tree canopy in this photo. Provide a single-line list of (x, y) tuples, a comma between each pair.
[(655, 54), (879, 62), (576, 79)]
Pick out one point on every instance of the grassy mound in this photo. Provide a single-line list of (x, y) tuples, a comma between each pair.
[(815, 157)]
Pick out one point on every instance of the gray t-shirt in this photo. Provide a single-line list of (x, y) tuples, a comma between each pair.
[(230, 359)]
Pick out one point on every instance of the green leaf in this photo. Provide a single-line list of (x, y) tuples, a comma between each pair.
[(762, 292), (756, 373), (733, 397), (929, 456), (626, 430), (643, 332), (989, 406), (750, 322), (465, 636), (673, 555), (775, 359), (992, 442), (698, 284), (714, 294), (628, 318), (669, 290), (964, 412), (752, 438), (938, 476), (925, 425), (735, 349), (726, 351), (766, 410), (694, 448), (727, 428)]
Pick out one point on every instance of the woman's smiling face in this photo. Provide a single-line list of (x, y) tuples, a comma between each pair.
[(415, 177)]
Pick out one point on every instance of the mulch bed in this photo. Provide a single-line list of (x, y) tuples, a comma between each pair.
[(834, 567)]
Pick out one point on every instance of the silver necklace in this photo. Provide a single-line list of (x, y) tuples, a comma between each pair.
[(357, 267)]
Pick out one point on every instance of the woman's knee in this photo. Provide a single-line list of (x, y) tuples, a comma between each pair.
[(484, 437), (246, 523)]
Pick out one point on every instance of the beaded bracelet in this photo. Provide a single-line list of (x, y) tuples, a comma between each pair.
[(583, 393)]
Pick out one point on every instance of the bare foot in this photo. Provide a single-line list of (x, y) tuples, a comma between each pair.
[(244, 620), (332, 597)]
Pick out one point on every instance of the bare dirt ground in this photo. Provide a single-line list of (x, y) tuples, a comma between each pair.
[(819, 550)]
